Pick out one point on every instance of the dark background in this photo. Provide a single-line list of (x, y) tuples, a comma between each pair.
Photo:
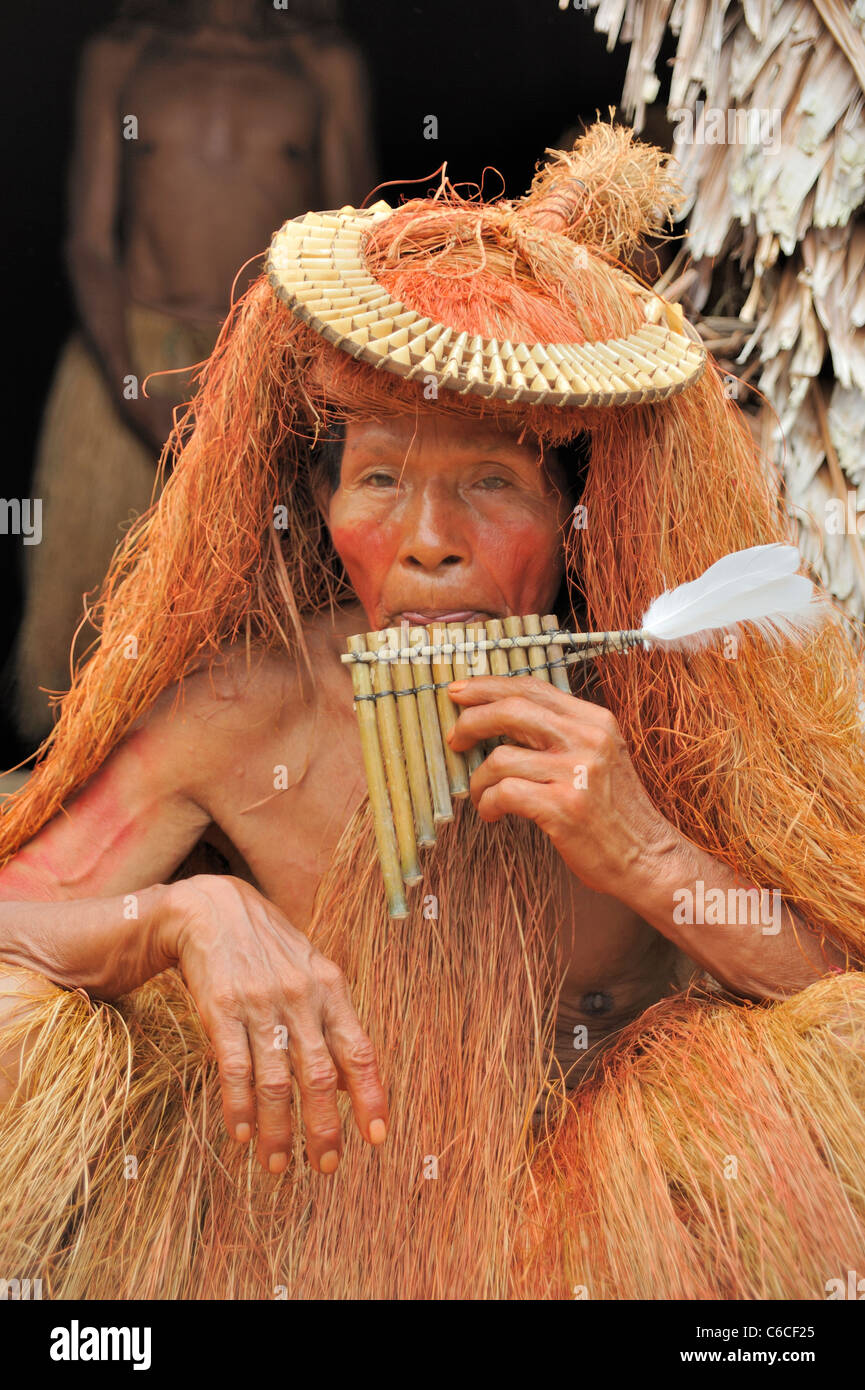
[(505, 78)]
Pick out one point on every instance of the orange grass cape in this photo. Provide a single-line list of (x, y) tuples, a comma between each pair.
[(757, 760)]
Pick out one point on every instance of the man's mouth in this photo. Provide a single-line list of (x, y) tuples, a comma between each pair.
[(424, 617)]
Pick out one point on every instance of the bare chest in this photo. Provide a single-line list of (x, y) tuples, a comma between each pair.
[(223, 150), (219, 108), (287, 835)]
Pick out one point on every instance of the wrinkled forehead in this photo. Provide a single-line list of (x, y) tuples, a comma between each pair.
[(390, 440)]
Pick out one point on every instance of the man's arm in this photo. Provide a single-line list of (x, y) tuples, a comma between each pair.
[(746, 937), (568, 769), (82, 902), (107, 946), (67, 913), (348, 166), (93, 255), (131, 825)]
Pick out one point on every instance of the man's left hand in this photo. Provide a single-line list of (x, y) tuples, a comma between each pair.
[(567, 768)]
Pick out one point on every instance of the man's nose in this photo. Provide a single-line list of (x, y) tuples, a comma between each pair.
[(432, 533)]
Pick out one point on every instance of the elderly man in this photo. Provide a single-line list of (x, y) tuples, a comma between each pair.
[(548, 939)]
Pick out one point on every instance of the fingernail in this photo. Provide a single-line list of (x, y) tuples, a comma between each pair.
[(328, 1161), (277, 1163), (243, 1134), (377, 1131), (457, 685)]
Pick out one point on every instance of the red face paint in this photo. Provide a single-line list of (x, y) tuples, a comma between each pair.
[(437, 516)]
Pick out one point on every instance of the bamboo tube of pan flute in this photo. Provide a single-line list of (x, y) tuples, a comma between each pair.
[(431, 730), (499, 665), (464, 669), (555, 653), (538, 656), (443, 671), (373, 762), (390, 740), (519, 658), (412, 742)]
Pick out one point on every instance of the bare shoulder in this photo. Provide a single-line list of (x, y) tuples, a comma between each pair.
[(244, 700), (107, 57), (248, 688), (237, 689), (200, 746), (146, 805), (334, 61)]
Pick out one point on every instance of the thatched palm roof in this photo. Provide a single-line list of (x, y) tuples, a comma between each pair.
[(767, 104)]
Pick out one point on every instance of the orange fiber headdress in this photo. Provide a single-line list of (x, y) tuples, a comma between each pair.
[(321, 265), (758, 759)]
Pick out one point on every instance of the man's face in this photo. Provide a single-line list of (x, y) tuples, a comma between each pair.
[(438, 518)]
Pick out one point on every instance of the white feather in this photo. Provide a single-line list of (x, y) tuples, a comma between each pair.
[(758, 586)]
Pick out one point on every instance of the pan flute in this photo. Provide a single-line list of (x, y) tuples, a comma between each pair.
[(400, 678)]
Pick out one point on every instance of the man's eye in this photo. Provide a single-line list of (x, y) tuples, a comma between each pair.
[(496, 481), (371, 477)]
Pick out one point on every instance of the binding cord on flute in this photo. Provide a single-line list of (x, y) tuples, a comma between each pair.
[(405, 713)]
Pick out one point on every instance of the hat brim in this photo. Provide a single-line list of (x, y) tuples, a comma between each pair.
[(317, 268)]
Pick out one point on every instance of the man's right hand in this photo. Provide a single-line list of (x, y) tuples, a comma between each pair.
[(274, 1008)]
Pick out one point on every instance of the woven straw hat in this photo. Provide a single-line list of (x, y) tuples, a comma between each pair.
[(316, 265)]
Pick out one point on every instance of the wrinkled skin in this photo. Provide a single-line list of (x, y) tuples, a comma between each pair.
[(430, 517)]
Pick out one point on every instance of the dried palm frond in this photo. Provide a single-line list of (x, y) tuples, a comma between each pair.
[(782, 200)]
